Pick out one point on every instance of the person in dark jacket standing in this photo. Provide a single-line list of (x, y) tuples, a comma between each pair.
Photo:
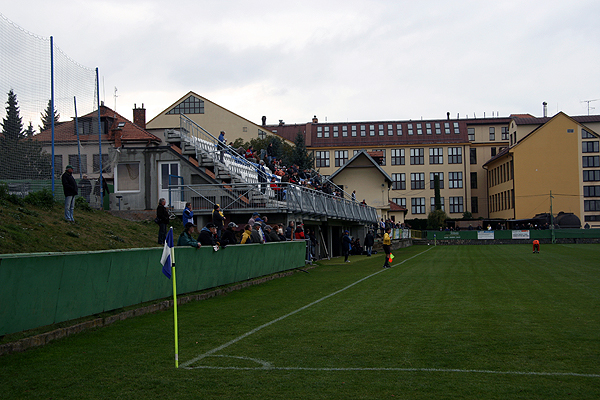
[(208, 235), (162, 218), (217, 219), (346, 245), (369, 242), (70, 191), (228, 236)]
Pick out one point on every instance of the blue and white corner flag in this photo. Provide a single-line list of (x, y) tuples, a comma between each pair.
[(167, 258)]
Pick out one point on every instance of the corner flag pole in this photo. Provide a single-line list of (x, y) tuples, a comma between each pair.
[(175, 304)]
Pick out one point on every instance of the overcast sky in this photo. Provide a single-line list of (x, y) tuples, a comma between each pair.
[(341, 60)]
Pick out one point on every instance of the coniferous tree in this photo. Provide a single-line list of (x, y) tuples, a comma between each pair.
[(12, 125), (22, 157), (47, 117), (30, 131), (300, 155)]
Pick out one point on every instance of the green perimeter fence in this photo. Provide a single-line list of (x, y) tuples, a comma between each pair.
[(517, 235), (43, 289)]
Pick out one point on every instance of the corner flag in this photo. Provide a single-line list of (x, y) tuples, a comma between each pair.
[(167, 260)]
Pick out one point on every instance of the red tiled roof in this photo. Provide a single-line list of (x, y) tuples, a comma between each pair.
[(127, 132), (396, 207)]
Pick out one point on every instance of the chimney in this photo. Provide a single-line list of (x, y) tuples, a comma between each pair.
[(139, 116), (315, 120), (448, 115), (545, 109), (264, 120)]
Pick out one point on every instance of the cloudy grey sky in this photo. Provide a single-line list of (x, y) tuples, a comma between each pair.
[(342, 60)]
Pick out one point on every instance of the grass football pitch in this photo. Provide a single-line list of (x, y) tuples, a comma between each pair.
[(446, 322)]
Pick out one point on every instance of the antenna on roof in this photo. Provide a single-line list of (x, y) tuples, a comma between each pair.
[(588, 104), (115, 98)]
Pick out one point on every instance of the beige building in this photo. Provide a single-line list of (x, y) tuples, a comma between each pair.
[(208, 115), (411, 153), (554, 165)]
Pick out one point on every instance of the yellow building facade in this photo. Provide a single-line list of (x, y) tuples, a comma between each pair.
[(555, 166)]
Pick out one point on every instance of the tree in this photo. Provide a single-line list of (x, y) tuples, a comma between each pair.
[(30, 131), (12, 125), (437, 218), (300, 155), (47, 117), (22, 157)]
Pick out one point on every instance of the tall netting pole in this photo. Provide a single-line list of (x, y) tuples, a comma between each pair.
[(52, 106)]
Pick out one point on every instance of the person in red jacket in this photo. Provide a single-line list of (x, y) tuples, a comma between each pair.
[(536, 246), (299, 233)]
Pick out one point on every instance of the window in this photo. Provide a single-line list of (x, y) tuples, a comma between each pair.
[(417, 180), (493, 149), (471, 133), (382, 156), (345, 131), (74, 162), (588, 175), (432, 176), (436, 155), (588, 161), (586, 135), (191, 105), (589, 147), (473, 180), (473, 155), (401, 201), (441, 204), (319, 131), (591, 191), (474, 205), (398, 181), (390, 129), (417, 205), (417, 156), (245, 129), (591, 205), (371, 130), (428, 128), (341, 157), (454, 155), (419, 129), (504, 132), (492, 133), (127, 177), (380, 130), (447, 128), (96, 163), (322, 159), (399, 130), (335, 131), (353, 130), (438, 128), (326, 132), (455, 180), (410, 129), (397, 156), (363, 130), (58, 164), (456, 205), (456, 128)]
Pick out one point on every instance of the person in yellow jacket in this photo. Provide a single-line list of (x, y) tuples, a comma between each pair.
[(387, 247), (246, 235)]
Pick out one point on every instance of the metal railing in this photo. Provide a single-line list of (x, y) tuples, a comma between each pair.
[(270, 197), (206, 144)]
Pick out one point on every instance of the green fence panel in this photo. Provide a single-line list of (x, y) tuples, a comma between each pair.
[(42, 289), (29, 292), (83, 285)]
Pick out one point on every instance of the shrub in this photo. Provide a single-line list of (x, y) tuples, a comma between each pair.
[(82, 204), (42, 198)]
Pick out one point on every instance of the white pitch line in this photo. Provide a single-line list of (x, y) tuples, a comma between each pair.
[(245, 335), (383, 369)]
